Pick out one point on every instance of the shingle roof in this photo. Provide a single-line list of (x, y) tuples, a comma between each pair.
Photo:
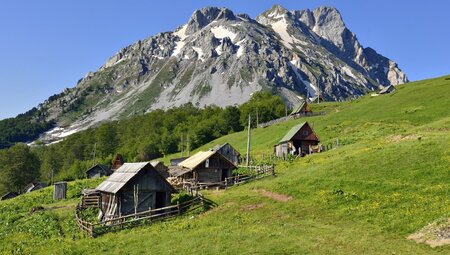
[(177, 171), (155, 163), (120, 177), (298, 107), (103, 167), (386, 89), (292, 132), (196, 159)]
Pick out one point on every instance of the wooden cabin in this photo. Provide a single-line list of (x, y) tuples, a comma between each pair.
[(300, 140), (9, 195), (317, 99), (161, 168), (117, 162), (206, 167), (176, 161), (133, 188), (229, 152), (387, 90), (98, 171), (301, 109), (34, 186)]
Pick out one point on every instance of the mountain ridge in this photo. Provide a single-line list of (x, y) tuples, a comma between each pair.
[(221, 58)]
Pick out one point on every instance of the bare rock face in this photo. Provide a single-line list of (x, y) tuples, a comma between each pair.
[(221, 58)]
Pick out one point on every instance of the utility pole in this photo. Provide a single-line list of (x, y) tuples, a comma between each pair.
[(188, 146), (257, 118), (182, 144), (93, 157), (248, 140)]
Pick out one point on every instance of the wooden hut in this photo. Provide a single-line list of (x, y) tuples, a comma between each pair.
[(34, 186), (161, 168), (60, 190), (117, 162), (301, 109), (229, 152), (176, 161), (206, 167), (300, 140), (98, 171), (317, 99), (133, 188), (387, 90), (9, 195)]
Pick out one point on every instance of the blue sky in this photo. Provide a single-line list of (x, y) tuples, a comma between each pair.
[(48, 45)]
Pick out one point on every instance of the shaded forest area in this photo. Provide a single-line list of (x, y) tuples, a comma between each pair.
[(23, 128), (140, 138)]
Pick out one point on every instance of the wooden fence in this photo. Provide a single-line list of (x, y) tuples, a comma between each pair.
[(255, 173), (94, 229)]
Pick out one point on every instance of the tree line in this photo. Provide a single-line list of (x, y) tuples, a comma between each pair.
[(139, 138)]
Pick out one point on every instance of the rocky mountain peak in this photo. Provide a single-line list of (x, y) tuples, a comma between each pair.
[(205, 16), (221, 58), (272, 15)]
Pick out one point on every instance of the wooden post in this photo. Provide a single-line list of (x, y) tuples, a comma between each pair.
[(248, 140), (181, 149), (178, 207)]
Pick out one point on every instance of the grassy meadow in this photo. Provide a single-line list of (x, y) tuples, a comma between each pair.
[(389, 178)]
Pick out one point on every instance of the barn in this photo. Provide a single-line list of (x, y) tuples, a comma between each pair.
[(161, 168), (205, 167), (229, 152), (98, 171), (300, 140), (133, 188), (301, 109)]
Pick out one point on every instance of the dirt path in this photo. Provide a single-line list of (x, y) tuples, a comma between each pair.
[(275, 196)]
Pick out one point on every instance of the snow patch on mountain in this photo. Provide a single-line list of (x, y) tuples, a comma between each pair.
[(221, 32), (181, 33)]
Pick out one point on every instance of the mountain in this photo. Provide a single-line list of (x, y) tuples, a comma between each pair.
[(221, 58)]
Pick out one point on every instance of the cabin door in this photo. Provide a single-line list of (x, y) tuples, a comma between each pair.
[(224, 174), (160, 199)]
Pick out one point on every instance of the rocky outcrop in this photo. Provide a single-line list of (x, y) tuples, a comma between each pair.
[(221, 58)]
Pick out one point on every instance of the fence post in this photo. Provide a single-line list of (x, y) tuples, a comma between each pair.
[(273, 170), (178, 207)]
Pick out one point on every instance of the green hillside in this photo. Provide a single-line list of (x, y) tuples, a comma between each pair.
[(389, 178)]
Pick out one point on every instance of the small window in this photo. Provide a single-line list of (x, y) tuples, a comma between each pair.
[(305, 133)]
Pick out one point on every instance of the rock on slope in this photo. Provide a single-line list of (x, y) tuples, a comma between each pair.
[(221, 58)]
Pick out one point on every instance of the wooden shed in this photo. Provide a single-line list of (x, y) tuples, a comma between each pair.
[(301, 109), (60, 190), (34, 186), (161, 168), (300, 140), (206, 167), (9, 195), (98, 171), (133, 188), (387, 90), (229, 152), (176, 161)]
